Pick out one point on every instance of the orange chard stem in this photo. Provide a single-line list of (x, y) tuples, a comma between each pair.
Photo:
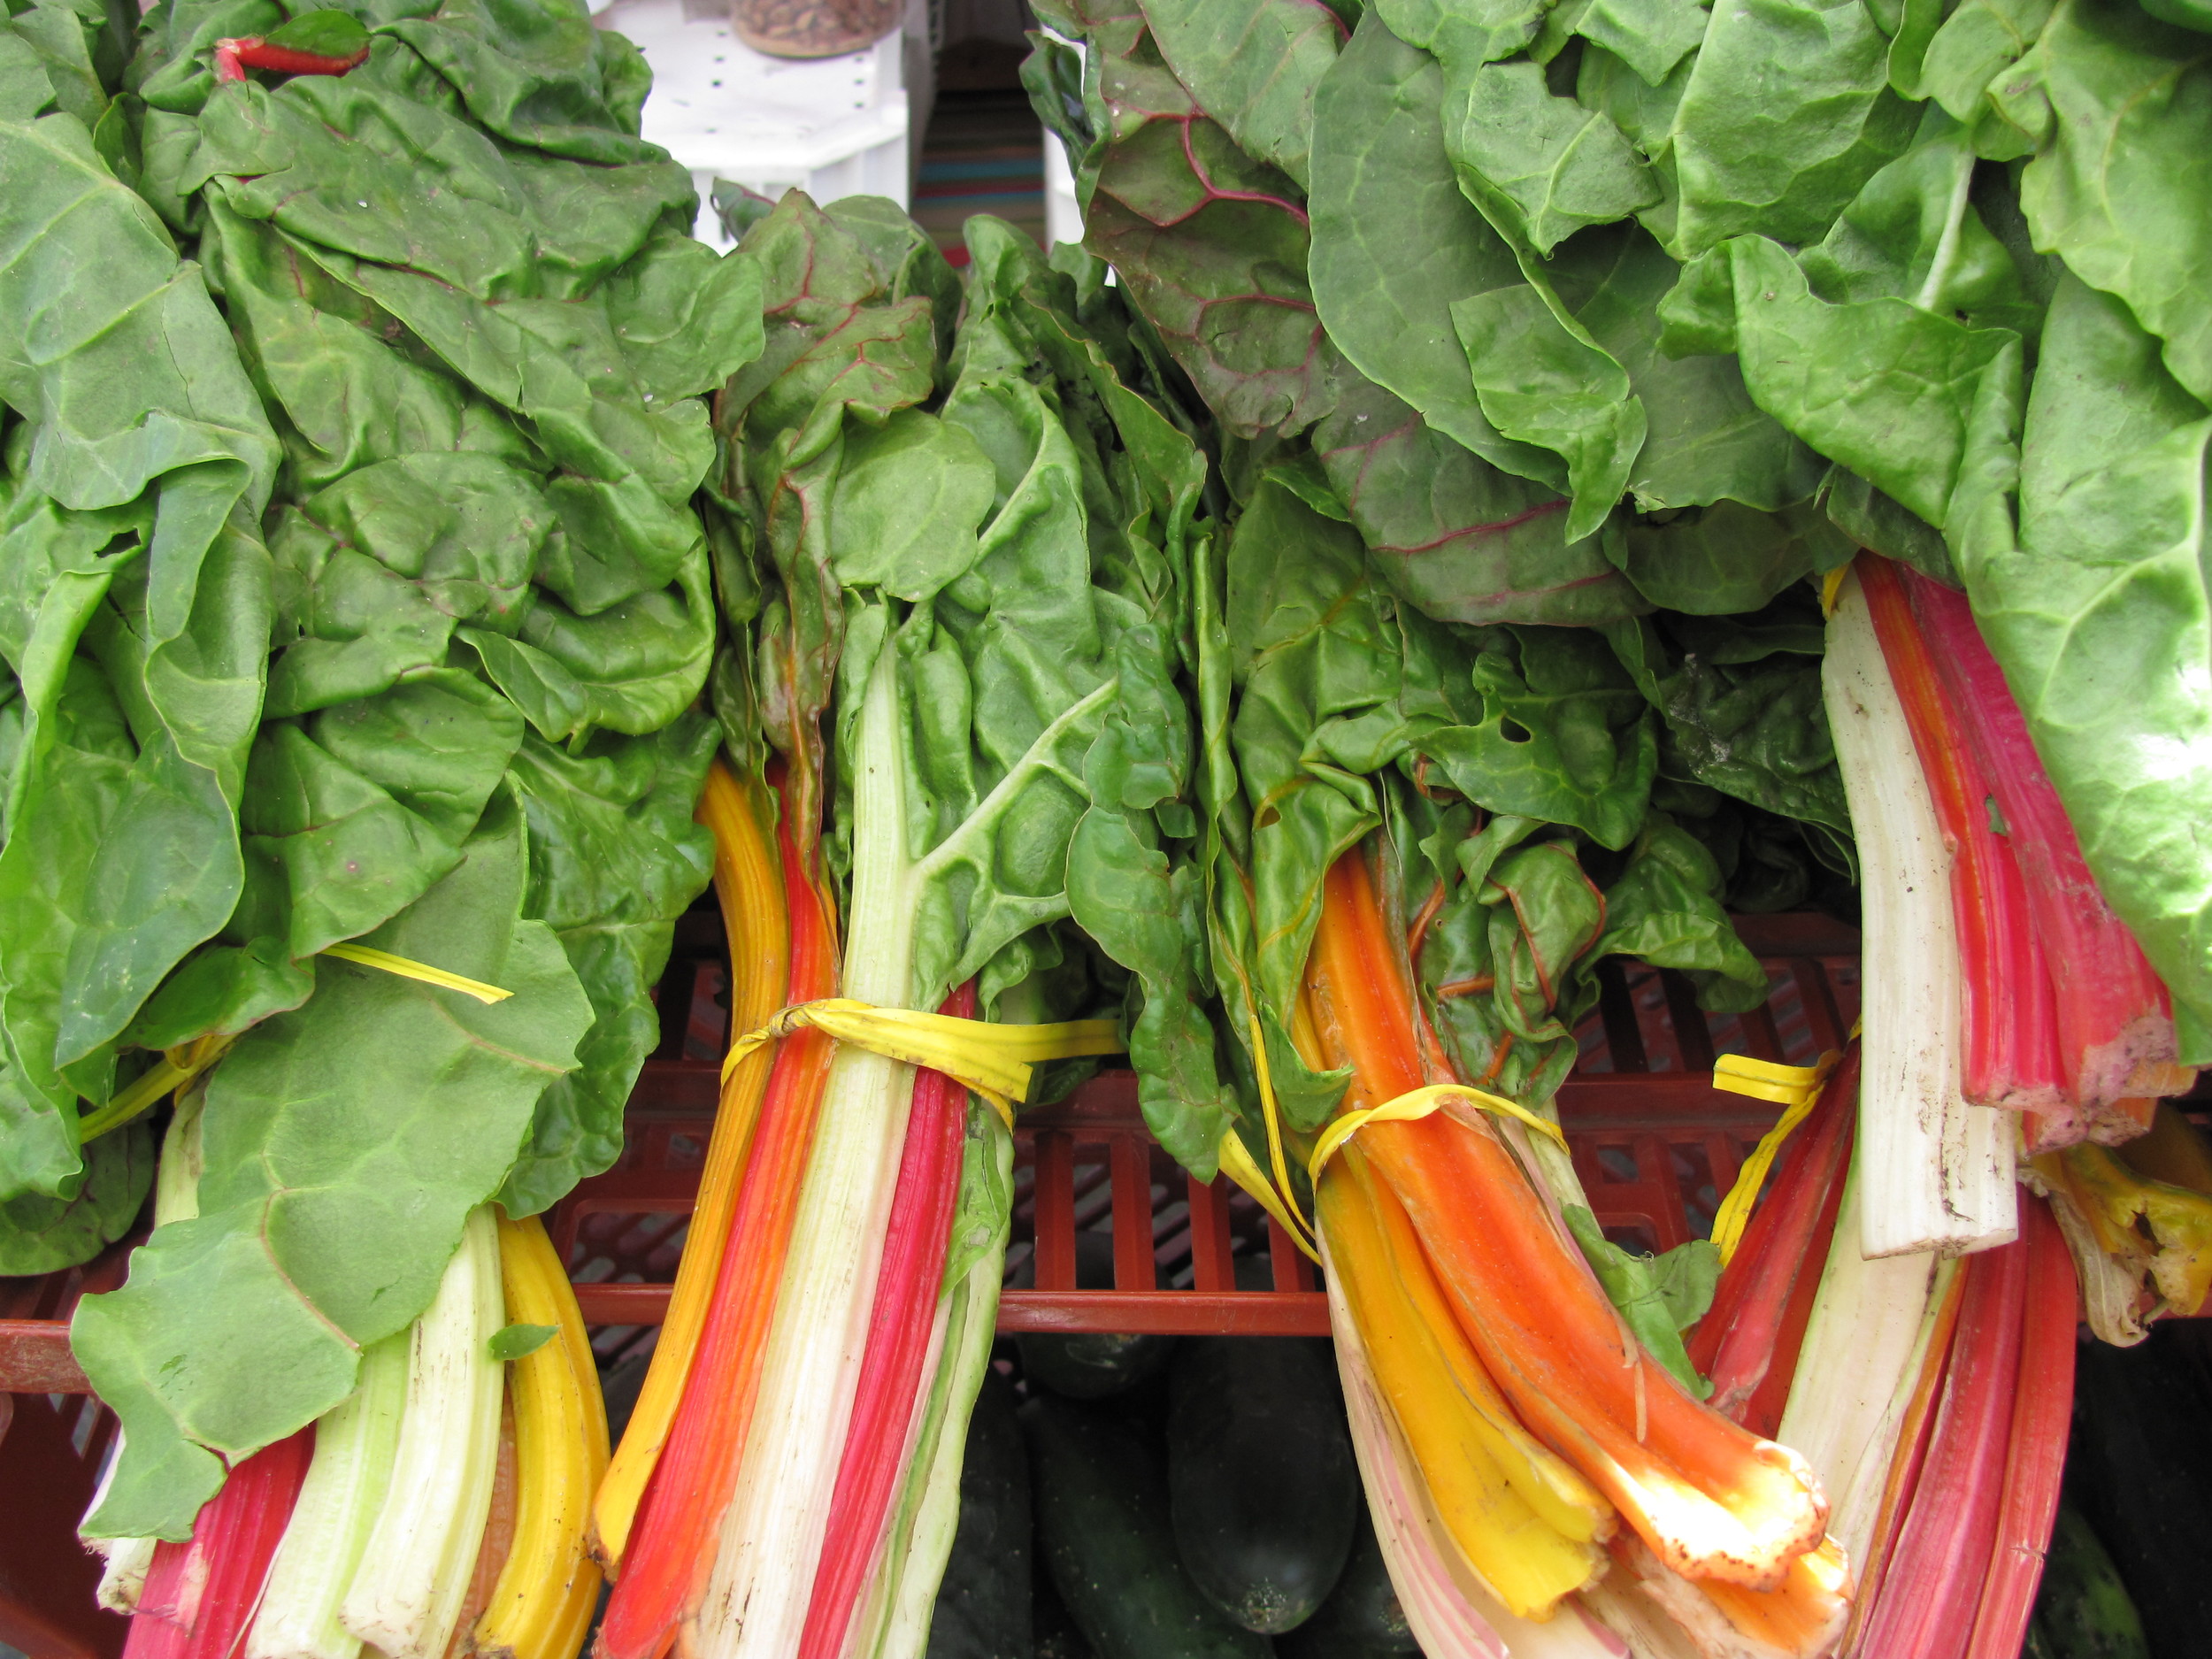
[(673, 1548), (748, 886), (1713, 1501)]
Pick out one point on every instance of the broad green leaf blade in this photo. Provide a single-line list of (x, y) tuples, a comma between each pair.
[(1651, 36), (1886, 388), (133, 392), (1454, 535), (1252, 68), (615, 858), (1548, 165), (344, 1145), (2116, 189), (1788, 113), (1395, 243), (1542, 384)]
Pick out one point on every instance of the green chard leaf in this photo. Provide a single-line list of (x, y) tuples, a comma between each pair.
[(145, 421), (1453, 536), (41, 1235), (2099, 617), (1660, 1296), (1786, 112), (1396, 244), (2114, 103), (1252, 68), (615, 858), (344, 1144)]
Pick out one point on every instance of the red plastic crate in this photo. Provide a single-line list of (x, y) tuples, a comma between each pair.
[(1656, 1146)]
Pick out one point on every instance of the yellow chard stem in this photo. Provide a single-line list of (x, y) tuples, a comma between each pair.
[(541, 1605), (750, 887)]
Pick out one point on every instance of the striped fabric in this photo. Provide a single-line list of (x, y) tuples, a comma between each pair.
[(984, 153)]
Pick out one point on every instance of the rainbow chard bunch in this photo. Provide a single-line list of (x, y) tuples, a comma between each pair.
[(1667, 336), (358, 609), (956, 565)]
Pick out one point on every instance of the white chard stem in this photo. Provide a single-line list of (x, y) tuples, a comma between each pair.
[(1873, 1321), (770, 1543), (1936, 1174), (356, 1445), (405, 1597)]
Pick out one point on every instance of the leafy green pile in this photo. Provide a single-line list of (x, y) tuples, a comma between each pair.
[(353, 592), (1599, 306)]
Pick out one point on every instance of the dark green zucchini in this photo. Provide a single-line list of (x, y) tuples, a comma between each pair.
[(1261, 1482), (983, 1603), (2140, 1468), (1102, 1524), (1362, 1615), (2082, 1609), (1095, 1365)]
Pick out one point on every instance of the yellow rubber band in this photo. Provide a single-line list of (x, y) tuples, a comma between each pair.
[(994, 1061), (1414, 1105), (1236, 1164), (1797, 1088), (368, 956), (1271, 1115)]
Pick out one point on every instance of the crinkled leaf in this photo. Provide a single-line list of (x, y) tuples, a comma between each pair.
[(1665, 910), (1786, 113), (132, 393), (1742, 707), (1547, 164), (1913, 234), (1727, 558), (909, 498), (615, 858), (1563, 737), (1706, 440), (1886, 388), (1545, 384), (1651, 36), (2118, 103), (1465, 31), (1455, 536), (1978, 41)]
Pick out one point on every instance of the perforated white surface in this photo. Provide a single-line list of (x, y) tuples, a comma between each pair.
[(833, 126)]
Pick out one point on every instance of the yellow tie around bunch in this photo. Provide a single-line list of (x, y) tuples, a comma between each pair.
[(1275, 1197), (1796, 1088), (994, 1061)]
